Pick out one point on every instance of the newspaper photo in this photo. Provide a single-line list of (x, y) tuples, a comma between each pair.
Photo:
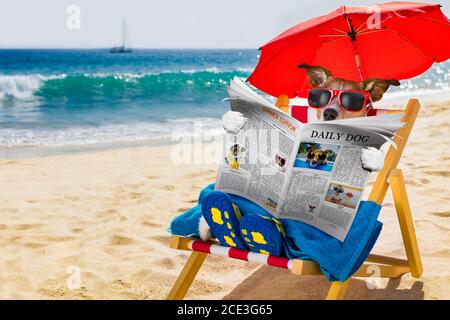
[(306, 172)]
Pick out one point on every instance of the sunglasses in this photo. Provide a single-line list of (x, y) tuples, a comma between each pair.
[(349, 100), (319, 155)]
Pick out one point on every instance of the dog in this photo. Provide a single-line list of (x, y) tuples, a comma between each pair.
[(372, 159), (316, 157), (336, 196), (322, 77), (318, 76), (234, 155), (280, 161)]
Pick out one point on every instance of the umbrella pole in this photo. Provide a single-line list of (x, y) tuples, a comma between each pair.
[(352, 35), (358, 61)]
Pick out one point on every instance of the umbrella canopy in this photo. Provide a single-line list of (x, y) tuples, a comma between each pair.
[(396, 40)]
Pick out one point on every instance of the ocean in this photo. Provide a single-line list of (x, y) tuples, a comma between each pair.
[(84, 99)]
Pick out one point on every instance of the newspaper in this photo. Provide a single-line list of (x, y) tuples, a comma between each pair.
[(305, 172)]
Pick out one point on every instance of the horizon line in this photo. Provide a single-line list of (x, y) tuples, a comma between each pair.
[(133, 48)]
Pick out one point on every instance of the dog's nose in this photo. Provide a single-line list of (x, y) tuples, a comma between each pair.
[(330, 114)]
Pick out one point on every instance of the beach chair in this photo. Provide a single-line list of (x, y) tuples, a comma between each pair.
[(389, 267)]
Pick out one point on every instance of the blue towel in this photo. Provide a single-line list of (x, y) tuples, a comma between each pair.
[(338, 260)]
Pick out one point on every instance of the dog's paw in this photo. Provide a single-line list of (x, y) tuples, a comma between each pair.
[(372, 159), (233, 121), (203, 229)]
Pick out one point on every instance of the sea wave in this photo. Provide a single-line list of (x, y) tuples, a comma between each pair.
[(37, 86), (100, 108), (183, 84), (170, 130), (419, 92), (22, 87)]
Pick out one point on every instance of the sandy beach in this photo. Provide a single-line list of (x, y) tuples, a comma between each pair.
[(105, 214)]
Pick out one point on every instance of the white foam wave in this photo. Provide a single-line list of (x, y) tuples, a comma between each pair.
[(22, 87), (131, 75), (415, 93), (113, 133), (212, 70)]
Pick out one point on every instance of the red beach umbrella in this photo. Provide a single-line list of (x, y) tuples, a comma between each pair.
[(396, 40)]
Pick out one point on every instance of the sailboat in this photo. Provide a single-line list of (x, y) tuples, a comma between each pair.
[(125, 47)]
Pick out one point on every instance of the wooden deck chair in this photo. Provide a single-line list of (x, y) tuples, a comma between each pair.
[(389, 267)]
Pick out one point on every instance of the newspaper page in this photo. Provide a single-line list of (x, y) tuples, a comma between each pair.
[(328, 180), (257, 161), (306, 172)]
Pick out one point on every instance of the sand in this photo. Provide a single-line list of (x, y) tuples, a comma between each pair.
[(103, 215)]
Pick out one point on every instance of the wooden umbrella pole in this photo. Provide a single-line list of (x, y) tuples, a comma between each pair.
[(352, 35), (358, 61)]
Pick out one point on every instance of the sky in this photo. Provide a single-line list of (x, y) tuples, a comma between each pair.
[(157, 23)]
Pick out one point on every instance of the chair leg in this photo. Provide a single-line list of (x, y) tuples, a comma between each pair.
[(337, 290), (406, 222), (187, 275)]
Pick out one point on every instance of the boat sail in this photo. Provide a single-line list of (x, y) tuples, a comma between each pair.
[(125, 47)]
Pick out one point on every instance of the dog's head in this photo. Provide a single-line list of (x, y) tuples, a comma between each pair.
[(236, 150), (317, 156), (338, 189), (280, 160), (321, 77)]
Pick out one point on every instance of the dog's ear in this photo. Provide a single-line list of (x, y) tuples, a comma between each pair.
[(377, 87), (317, 75)]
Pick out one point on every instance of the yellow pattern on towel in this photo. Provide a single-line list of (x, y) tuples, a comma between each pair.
[(237, 212), (216, 216), (258, 238), (229, 241)]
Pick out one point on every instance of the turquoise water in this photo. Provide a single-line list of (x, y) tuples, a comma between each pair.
[(80, 97), (301, 163), (54, 98)]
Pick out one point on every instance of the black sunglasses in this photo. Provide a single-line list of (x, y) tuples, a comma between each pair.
[(349, 100)]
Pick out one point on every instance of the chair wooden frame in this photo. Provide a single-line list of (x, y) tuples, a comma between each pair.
[(389, 267)]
